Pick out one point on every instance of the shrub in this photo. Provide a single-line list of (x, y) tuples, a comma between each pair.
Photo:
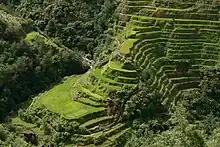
[(3, 133)]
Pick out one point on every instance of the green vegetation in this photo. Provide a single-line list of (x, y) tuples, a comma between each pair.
[(127, 45), (76, 24), (28, 68), (33, 35), (110, 73), (59, 99)]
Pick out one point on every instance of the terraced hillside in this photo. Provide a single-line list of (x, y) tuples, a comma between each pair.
[(175, 39), (171, 40), (84, 99)]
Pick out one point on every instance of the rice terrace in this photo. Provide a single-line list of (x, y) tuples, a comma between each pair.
[(133, 73)]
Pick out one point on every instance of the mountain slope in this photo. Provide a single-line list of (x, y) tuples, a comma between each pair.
[(168, 41)]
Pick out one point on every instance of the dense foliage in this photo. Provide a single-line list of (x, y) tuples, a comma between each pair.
[(56, 130), (28, 68), (31, 62), (78, 24), (137, 102)]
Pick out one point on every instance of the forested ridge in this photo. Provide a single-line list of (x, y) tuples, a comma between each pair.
[(21, 60), (110, 73)]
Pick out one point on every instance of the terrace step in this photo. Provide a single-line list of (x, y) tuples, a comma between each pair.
[(185, 92), (148, 35), (95, 129), (198, 26), (101, 127), (181, 86), (146, 29), (115, 66), (177, 20), (127, 80), (89, 102), (127, 45), (159, 74), (166, 4), (115, 129), (185, 56), (186, 51), (100, 120), (190, 73), (147, 61), (142, 24), (109, 81), (112, 139), (106, 133), (141, 45), (90, 116), (146, 53), (111, 87), (92, 96), (183, 79)]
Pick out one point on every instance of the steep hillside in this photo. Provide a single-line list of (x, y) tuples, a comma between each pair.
[(159, 48), (78, 24), (173, 44), (29, 61)]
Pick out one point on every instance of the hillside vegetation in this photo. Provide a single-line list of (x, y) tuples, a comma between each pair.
[(153, 78), (77, 24), (29, 61)]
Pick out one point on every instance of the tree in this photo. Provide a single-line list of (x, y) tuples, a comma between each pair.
[(3, 134)]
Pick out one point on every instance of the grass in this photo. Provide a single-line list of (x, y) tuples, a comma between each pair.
[(59, 99), (95, 90), (126, 78), (96, 120), (90, 102), (32, 35), (116, 66), (97, 73), (127, 45), (88, 92), (108, 82)]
